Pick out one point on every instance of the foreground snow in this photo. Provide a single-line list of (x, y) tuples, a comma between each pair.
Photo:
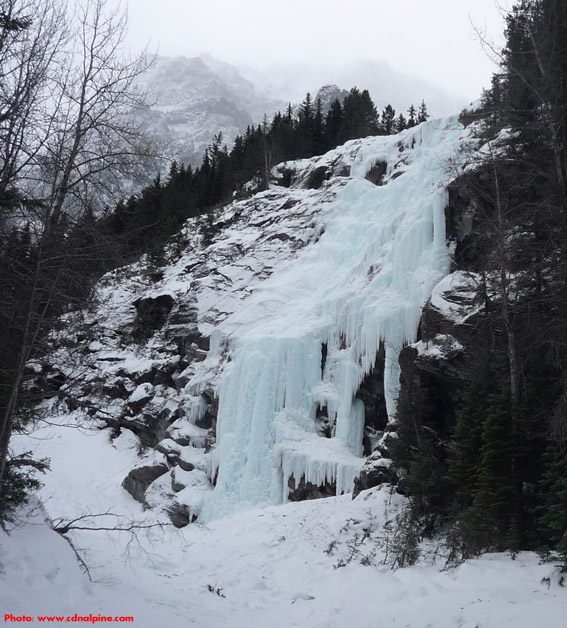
[(276, 567)]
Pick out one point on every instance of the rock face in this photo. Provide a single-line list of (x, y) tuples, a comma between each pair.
[(180, 515), (452, 328), (376, 471), (152, 313), (376, 173), (328, 94), (371, 393), (194, 99), (438, 366), (304, 491)]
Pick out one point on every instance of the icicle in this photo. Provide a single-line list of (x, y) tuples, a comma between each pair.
[(363, 282)]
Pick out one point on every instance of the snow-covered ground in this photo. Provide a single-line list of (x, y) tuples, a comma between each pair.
[(315, 564)]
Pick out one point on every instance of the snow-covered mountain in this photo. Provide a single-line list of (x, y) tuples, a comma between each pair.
[(191, 100)]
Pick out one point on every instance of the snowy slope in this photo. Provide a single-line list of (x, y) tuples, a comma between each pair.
[(291, 565)]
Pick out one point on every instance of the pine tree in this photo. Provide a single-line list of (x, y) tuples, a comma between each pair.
[(305, 124), (318, 146), (465, 448), (333, 124), (360, 117), (388, 120), (422, 115), (554, 518), (496, 490), (412, 117)]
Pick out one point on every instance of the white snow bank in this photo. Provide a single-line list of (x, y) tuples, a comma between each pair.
[(454, 296), (275, 567), (278, 567)]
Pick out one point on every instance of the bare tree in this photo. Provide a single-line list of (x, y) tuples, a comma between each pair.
[(29, 50), (97, 144), (71, 157)]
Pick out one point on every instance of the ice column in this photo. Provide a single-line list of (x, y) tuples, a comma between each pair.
[(363, 282)]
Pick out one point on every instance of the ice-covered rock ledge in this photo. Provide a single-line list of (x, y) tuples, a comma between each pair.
[(303, 342)]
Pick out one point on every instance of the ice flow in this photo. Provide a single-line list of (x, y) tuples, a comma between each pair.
[(307, 337)]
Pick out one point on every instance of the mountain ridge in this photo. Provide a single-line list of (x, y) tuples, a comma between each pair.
[(193, 99)]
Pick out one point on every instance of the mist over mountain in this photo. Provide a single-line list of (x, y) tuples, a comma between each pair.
[(290, 82), (192, 100)]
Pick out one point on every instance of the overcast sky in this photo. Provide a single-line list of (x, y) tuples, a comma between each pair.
[(433, 39)]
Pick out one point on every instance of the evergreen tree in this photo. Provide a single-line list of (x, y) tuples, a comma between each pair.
[(496, 491), (389, 120), (412, 117), (360, 117), (401, 123), (422, 115), (319, 145), (333, 124), (554, 517), (465, 448), (305, 127)]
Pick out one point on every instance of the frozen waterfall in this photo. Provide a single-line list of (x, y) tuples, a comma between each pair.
[(312, 331)]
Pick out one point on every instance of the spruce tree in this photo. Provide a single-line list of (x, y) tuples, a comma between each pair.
[(412, 117), (388, 120), (554, 518), (360, 117), (496, 490), (467, 440), (422, 115), (401, 123), (333, 124)]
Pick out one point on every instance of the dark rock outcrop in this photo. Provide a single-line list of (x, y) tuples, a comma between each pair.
[(138, 480), (377, 172), (371, 392), (209, 418), (301, 491), (180, 515), (373, 473), (43, 382), (463, 218), (316, 177), (149, 428), (152, 312)]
